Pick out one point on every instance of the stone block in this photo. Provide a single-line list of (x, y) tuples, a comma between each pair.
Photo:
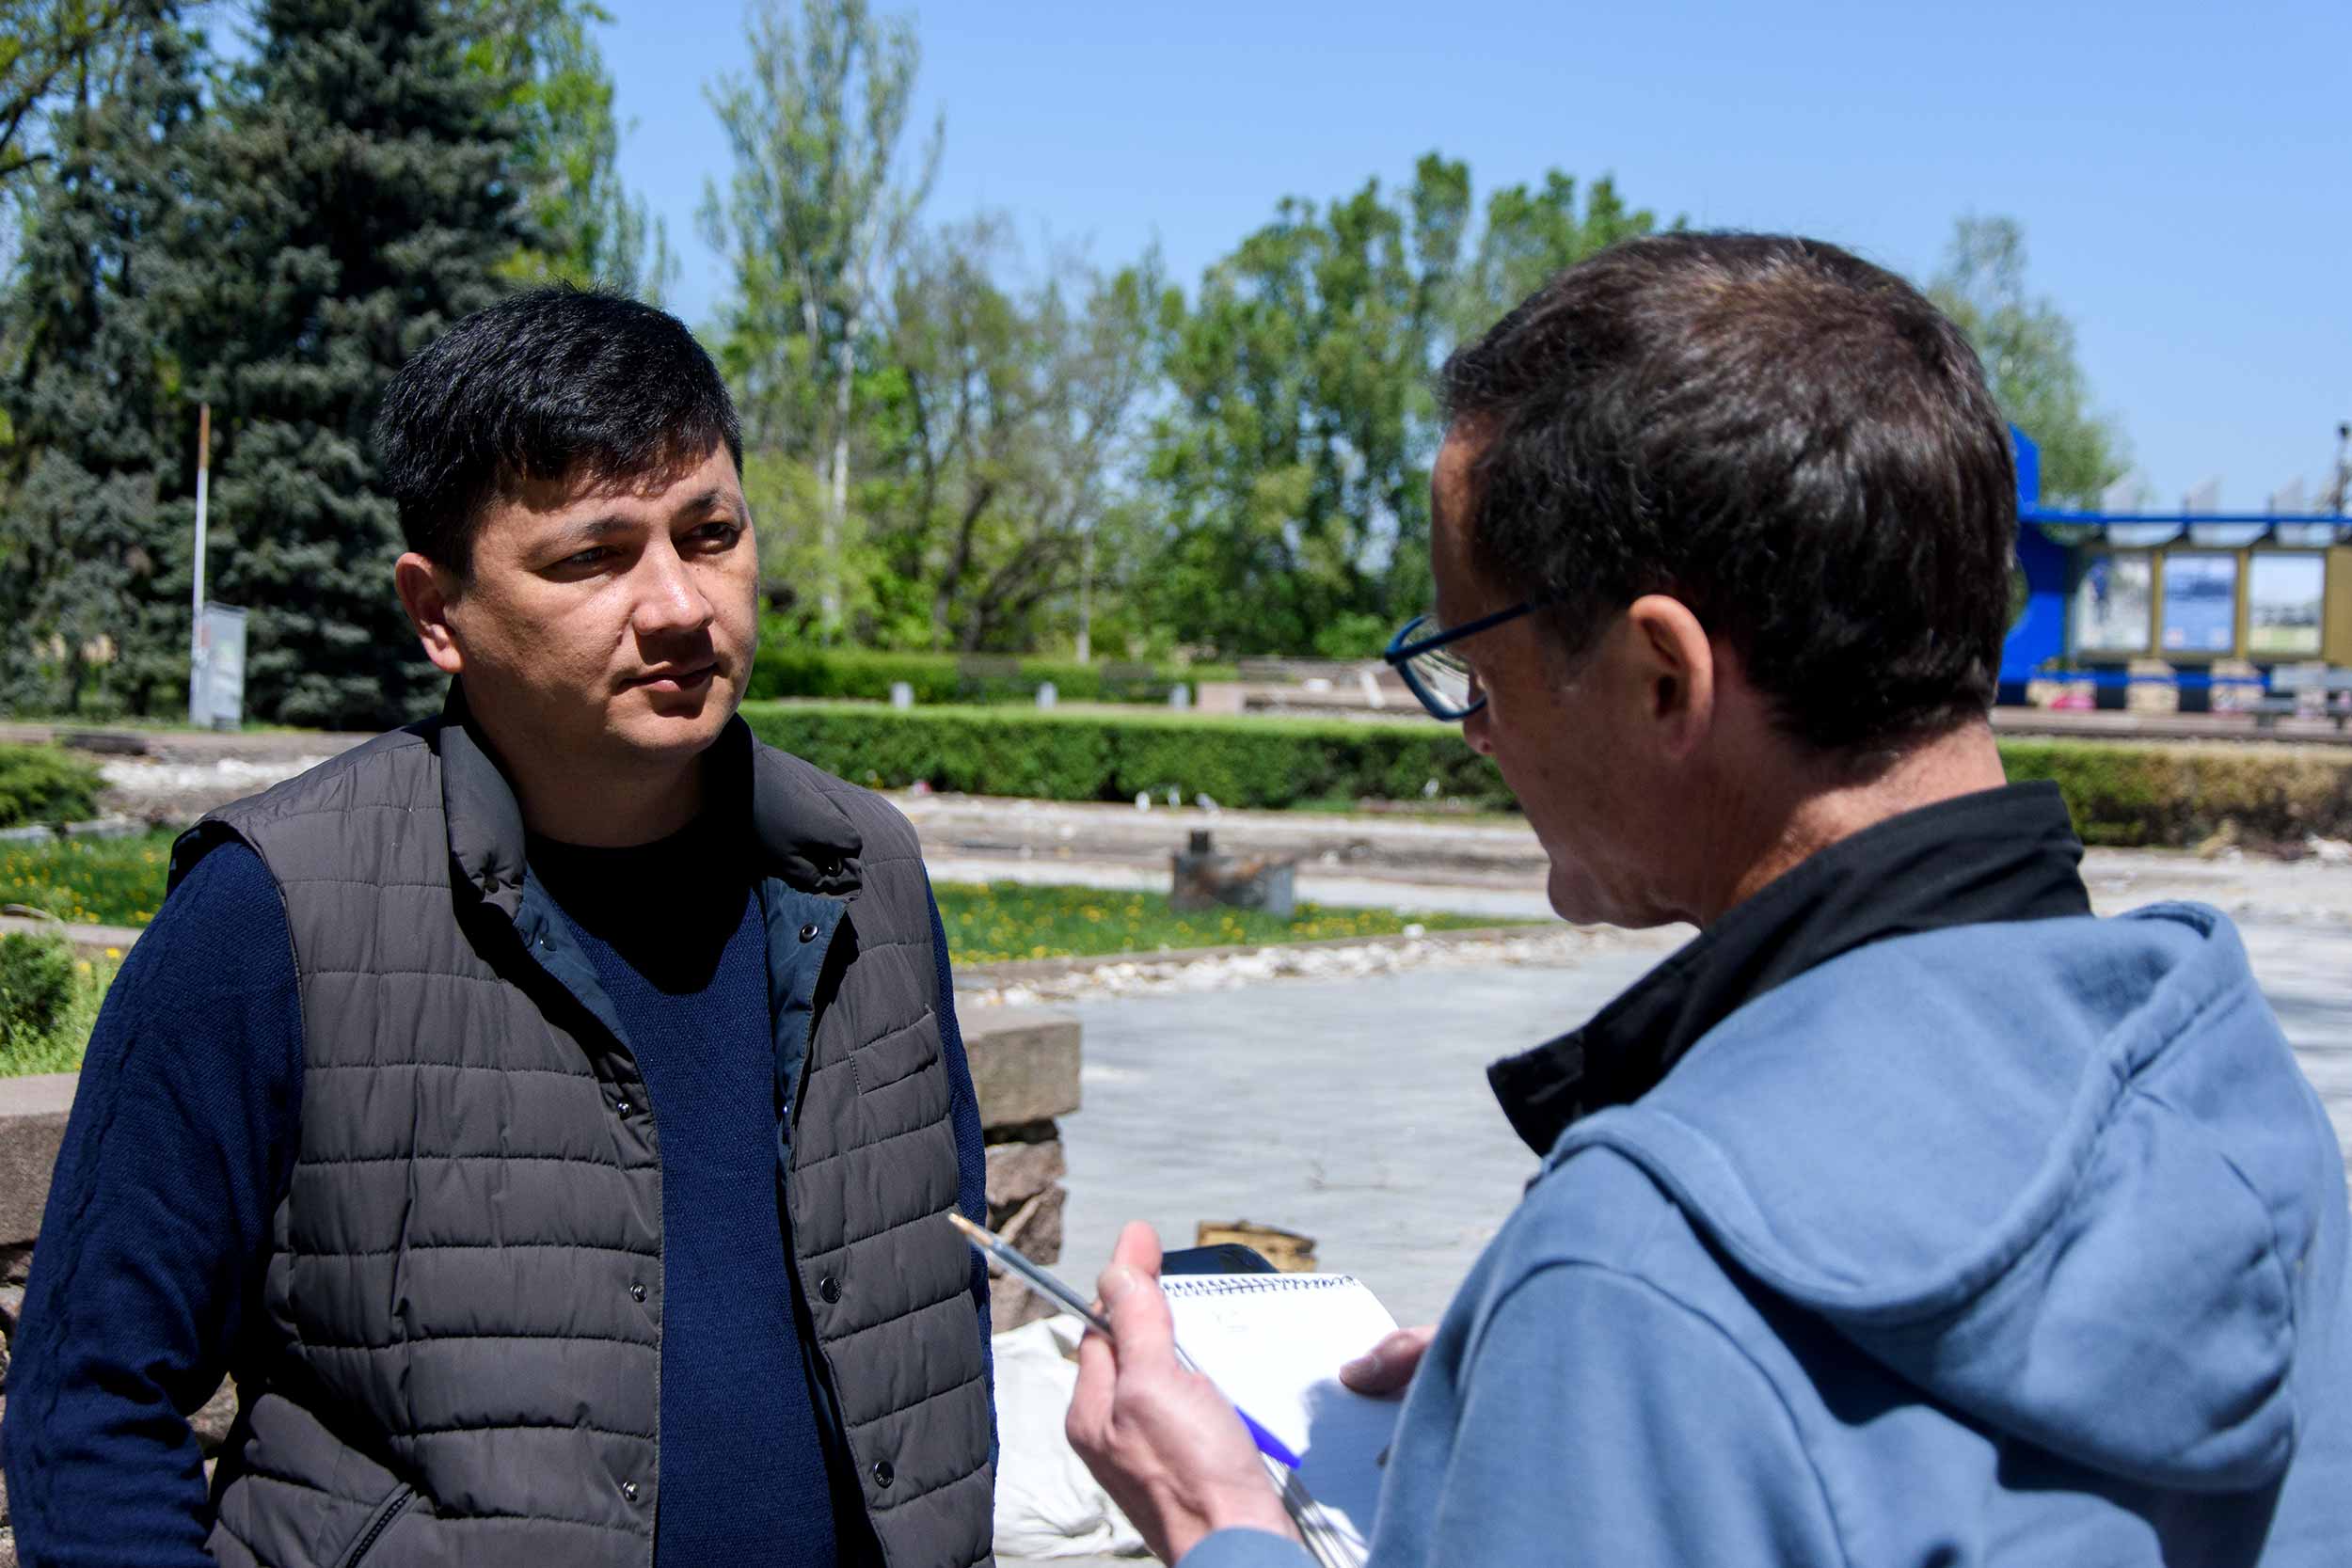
[(1024, 1064), (1035, 1228), (32, 1126), (1018, 1172), (1011, 1304)]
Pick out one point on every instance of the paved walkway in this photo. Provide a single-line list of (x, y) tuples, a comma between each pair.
[(1317, 1105)]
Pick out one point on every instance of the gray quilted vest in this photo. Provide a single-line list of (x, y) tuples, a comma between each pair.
[(464, 1292)]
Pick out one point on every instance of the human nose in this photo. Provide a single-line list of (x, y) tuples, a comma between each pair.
[(670, 601)]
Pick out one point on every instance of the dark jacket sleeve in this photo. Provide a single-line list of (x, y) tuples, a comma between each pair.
[(963, 1109), (152, 1247)]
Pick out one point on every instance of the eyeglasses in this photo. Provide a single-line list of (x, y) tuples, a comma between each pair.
[(1422, 652)]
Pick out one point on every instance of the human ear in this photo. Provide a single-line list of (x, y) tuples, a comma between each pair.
[(1678, 664), (425, 592)]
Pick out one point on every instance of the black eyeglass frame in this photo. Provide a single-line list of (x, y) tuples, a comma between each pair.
[(1400, 653)]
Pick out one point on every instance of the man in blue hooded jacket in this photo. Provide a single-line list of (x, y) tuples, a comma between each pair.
[(1911, 1214)]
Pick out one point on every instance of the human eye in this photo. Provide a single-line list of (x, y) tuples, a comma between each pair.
[(718, 534)]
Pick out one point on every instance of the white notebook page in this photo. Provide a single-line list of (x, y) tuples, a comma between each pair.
[(1274, 1343)]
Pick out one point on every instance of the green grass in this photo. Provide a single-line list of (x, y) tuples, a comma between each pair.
[(120, 882), (88, 881), (1007, 920)]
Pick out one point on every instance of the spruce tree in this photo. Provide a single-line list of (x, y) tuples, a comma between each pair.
[(93, 541), (367, 210)]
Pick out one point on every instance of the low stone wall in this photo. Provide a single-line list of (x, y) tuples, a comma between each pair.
[(1024, 1069)]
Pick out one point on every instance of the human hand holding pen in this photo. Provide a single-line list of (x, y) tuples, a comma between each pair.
[(1164, 1441)]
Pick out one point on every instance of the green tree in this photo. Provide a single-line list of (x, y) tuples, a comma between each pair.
[(1530, 233), (1001, 432), (1290, 467), (815, 213), (92, 539), (2028, 347), (361, 174), (44, 46), (566, 151)]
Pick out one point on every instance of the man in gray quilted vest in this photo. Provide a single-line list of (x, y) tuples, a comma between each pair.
[(544, 1112)]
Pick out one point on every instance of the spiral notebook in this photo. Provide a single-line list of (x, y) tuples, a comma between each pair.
[(1274, 1343)]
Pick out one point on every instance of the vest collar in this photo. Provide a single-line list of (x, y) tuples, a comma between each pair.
[(805, 837)]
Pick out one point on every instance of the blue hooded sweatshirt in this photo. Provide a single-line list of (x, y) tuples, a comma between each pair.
[(2015, 1243)]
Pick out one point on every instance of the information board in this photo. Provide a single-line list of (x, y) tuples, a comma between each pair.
[(2199, 603), (2285, 594), (216, 669), (2113, 603)]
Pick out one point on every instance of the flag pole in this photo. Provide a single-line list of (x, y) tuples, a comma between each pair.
[(197, 649)]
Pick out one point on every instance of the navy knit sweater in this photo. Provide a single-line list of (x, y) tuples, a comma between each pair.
[(147, 1284)]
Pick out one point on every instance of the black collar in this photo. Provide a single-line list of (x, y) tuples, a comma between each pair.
[(2002, 854), (798, 833)]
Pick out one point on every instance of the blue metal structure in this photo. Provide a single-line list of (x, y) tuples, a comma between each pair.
[(2048, 538)]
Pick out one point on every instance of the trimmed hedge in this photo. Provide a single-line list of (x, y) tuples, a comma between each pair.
[(41, 784), (2120, 793), (1076, 756), (783, 670), (2176, 796)]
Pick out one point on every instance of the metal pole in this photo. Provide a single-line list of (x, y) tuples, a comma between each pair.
[(1085, 590), (2344, 465), (196, 620)]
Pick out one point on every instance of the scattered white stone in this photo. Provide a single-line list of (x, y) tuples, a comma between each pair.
[(151, 777), (1250, 966)]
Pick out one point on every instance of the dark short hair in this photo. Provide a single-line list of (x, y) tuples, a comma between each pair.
[(1791, 441), (553, 385)]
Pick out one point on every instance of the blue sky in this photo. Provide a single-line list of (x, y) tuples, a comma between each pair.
[(2184, 171)]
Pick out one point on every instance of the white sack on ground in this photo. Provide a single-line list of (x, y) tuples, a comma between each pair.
[(1047, 1505)]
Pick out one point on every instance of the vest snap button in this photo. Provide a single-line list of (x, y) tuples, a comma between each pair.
[(884, 1474), (808, 932), (622, 1107), (629, 1490), (830, 1289), (636, 1291)]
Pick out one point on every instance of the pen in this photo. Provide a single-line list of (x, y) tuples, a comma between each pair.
[(1053, 1290)]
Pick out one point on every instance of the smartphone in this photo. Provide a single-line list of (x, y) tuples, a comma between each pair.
[(1223, 1257)]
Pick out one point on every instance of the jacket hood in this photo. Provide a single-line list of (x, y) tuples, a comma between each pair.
[(2065, 1176)]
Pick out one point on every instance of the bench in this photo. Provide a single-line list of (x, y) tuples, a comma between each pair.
[(2291, 686)]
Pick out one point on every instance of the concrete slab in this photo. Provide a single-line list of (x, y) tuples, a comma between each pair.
[(1358, 1112)]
